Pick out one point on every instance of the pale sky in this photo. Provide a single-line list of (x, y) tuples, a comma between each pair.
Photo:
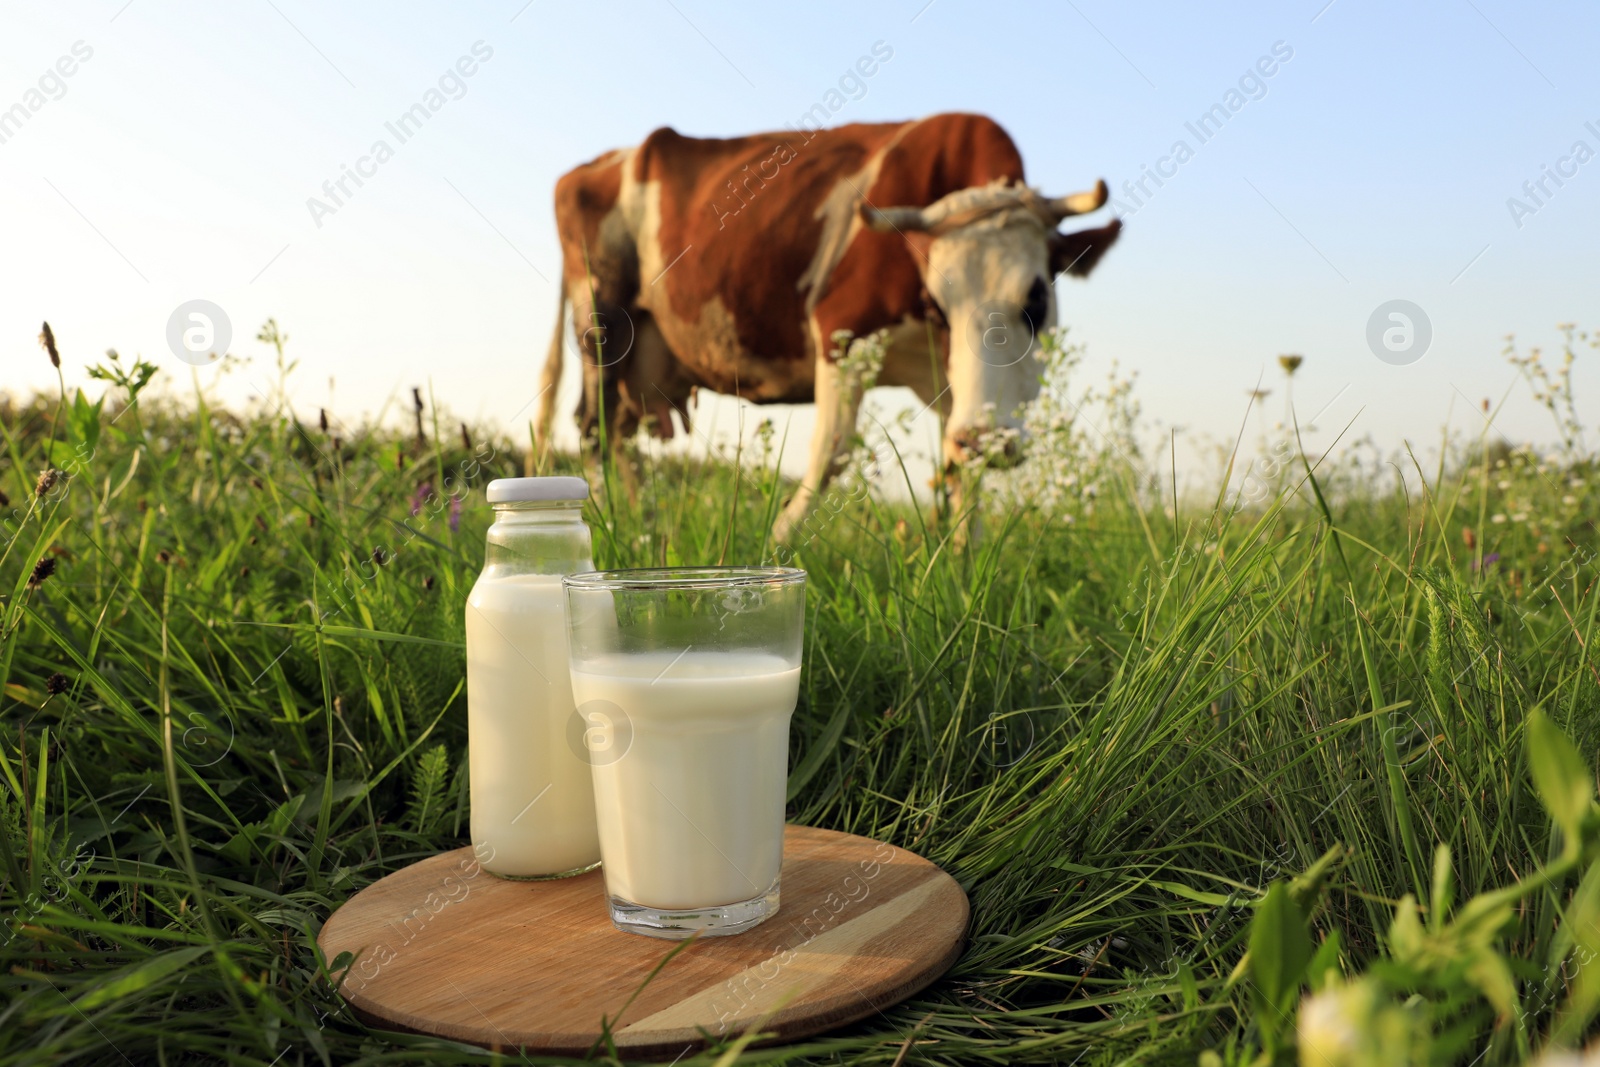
[(1376, 163)]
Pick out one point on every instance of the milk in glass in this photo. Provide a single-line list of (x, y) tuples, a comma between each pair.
[(691, 815)]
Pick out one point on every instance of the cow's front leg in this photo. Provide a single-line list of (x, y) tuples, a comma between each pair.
[(963, 506), (838, 399)]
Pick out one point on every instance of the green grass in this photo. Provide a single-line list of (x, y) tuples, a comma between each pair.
[(239, 698)]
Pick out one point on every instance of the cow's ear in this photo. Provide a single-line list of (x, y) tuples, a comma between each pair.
[(1077, 253)]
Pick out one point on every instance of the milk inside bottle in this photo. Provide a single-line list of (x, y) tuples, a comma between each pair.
[(531, 792)]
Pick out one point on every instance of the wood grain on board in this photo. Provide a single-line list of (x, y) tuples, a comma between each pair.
[(445, 948)]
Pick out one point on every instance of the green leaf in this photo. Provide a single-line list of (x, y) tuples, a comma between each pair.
[(84, 420), (1406, 936), (1490, 973), (1442, 888), (1583, 916), (1325, 964), (384, 635), (824, 746), (1279, 948), (429, 786), (1582, 926), (1190, 987), (144, 975), (1563, 779)]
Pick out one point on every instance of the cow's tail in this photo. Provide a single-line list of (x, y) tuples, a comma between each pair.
[(550, 381)]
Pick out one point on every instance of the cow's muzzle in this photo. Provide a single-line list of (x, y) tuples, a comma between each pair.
[(998, 448)]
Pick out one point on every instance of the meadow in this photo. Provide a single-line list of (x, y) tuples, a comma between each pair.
[(1299, 772)]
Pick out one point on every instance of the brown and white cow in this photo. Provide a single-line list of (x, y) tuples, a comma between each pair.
[(730, 264)]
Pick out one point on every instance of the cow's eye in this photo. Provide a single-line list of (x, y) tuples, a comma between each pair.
[(1038, 305)]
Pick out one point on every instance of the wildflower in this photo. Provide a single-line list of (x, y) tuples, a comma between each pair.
[(1504, 485), (47, 481), (41, 572), (1335, 1026), (1489, 560), (1521, 516), (1497, 517), (1290, 363), (1569, 500), (47, 340), (57, 683), (455, 513), (1468, 536), (423, 494)]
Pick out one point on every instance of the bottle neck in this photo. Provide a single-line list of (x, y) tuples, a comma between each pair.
[(543, 537)]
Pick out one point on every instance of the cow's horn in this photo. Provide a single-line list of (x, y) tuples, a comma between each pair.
[(889, 219), (1079, 203)]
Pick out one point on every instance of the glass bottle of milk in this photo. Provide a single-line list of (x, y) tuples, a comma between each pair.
[(532, 796)]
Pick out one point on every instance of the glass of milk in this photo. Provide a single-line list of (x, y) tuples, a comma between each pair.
[(531, 797), (685, 679)]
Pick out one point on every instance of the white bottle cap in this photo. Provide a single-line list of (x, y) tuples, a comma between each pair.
[(515, 490)]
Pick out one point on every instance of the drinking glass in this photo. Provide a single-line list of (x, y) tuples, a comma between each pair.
[(685, 679)]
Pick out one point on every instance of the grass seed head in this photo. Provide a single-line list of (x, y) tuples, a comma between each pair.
[(56, 684), (47, 341), (41, 572), (47, 481)]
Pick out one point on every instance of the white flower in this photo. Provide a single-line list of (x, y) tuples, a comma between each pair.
[(1333, 1026), (1497, 517)]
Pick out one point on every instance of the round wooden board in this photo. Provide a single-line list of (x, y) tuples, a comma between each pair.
[(444, 948)]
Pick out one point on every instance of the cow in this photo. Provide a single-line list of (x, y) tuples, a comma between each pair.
[(733, 265)]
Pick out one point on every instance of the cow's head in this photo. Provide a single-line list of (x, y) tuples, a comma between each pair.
[(989, 256)]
